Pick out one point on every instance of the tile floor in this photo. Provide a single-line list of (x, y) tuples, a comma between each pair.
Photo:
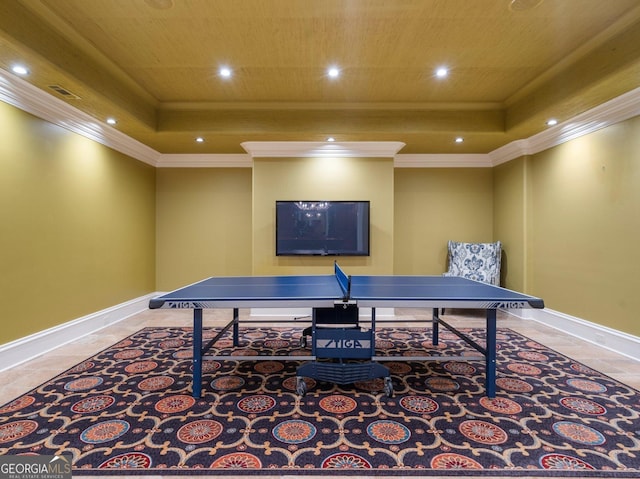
[(26, 376)]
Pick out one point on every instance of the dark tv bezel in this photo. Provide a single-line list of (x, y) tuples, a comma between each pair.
[(323, 253)]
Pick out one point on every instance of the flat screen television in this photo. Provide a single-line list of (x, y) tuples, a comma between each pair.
[(322, 228)]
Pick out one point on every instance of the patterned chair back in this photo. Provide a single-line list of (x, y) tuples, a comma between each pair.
[(479, 261)]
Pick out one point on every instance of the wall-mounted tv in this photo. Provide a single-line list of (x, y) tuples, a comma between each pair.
[(322, 228)]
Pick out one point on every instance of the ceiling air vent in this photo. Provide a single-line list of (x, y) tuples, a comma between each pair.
[(63, 92)]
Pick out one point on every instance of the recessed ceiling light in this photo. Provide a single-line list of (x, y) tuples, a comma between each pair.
[(459, 139), (20, 70), (442, 72), (225, 72), (112, 121), (200, 140), (552, 122), (331, 139), (523, 5), (333, 72)]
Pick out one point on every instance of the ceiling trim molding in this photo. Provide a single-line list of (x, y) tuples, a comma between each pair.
[(614, 111), (443, 161), (21, 94), (330, 106), (240, 160), (322, 149)]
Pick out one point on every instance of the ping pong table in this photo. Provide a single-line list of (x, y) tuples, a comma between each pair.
[(327, 291)]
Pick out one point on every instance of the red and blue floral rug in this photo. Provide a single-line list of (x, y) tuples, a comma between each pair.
[(129, 410)]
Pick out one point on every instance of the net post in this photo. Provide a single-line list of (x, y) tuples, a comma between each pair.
[(344, 281)]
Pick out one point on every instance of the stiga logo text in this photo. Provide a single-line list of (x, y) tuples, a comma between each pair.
[(35, 467)]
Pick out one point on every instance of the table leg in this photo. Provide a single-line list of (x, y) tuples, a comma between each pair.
[(236, 327), (197, 353), (435, 328), (373, 332), (491, 354)]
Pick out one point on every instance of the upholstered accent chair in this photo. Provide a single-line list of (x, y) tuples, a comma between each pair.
[(479, 261)]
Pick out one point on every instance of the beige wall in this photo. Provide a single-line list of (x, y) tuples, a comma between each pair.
[(77, 223), (322, 179), (203, 224), (584, 226), (80, 222), (510, 217), (434, 205)]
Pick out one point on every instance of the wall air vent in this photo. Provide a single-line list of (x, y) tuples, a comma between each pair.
[(63, 92)]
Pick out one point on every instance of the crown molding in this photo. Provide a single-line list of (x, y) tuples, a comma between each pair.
[(240, 160), (443, 161), (21, 94), (306, 149), (613, 111)]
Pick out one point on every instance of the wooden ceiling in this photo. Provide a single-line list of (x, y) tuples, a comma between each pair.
[(153, 65)]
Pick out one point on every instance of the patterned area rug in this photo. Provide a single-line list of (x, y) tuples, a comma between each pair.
[(129, 407)]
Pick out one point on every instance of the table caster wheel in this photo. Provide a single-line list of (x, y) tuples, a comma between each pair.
[(388, 387), (301, 386)]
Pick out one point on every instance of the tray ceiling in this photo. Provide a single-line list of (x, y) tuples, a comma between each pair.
[(154, 66)]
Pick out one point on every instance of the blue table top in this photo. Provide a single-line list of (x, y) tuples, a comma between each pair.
[(436, 291), (324, 291)]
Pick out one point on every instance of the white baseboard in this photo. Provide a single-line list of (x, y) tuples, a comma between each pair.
[(608, 338), (29, 347)]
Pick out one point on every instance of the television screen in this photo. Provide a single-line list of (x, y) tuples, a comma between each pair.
[(327, 228)]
